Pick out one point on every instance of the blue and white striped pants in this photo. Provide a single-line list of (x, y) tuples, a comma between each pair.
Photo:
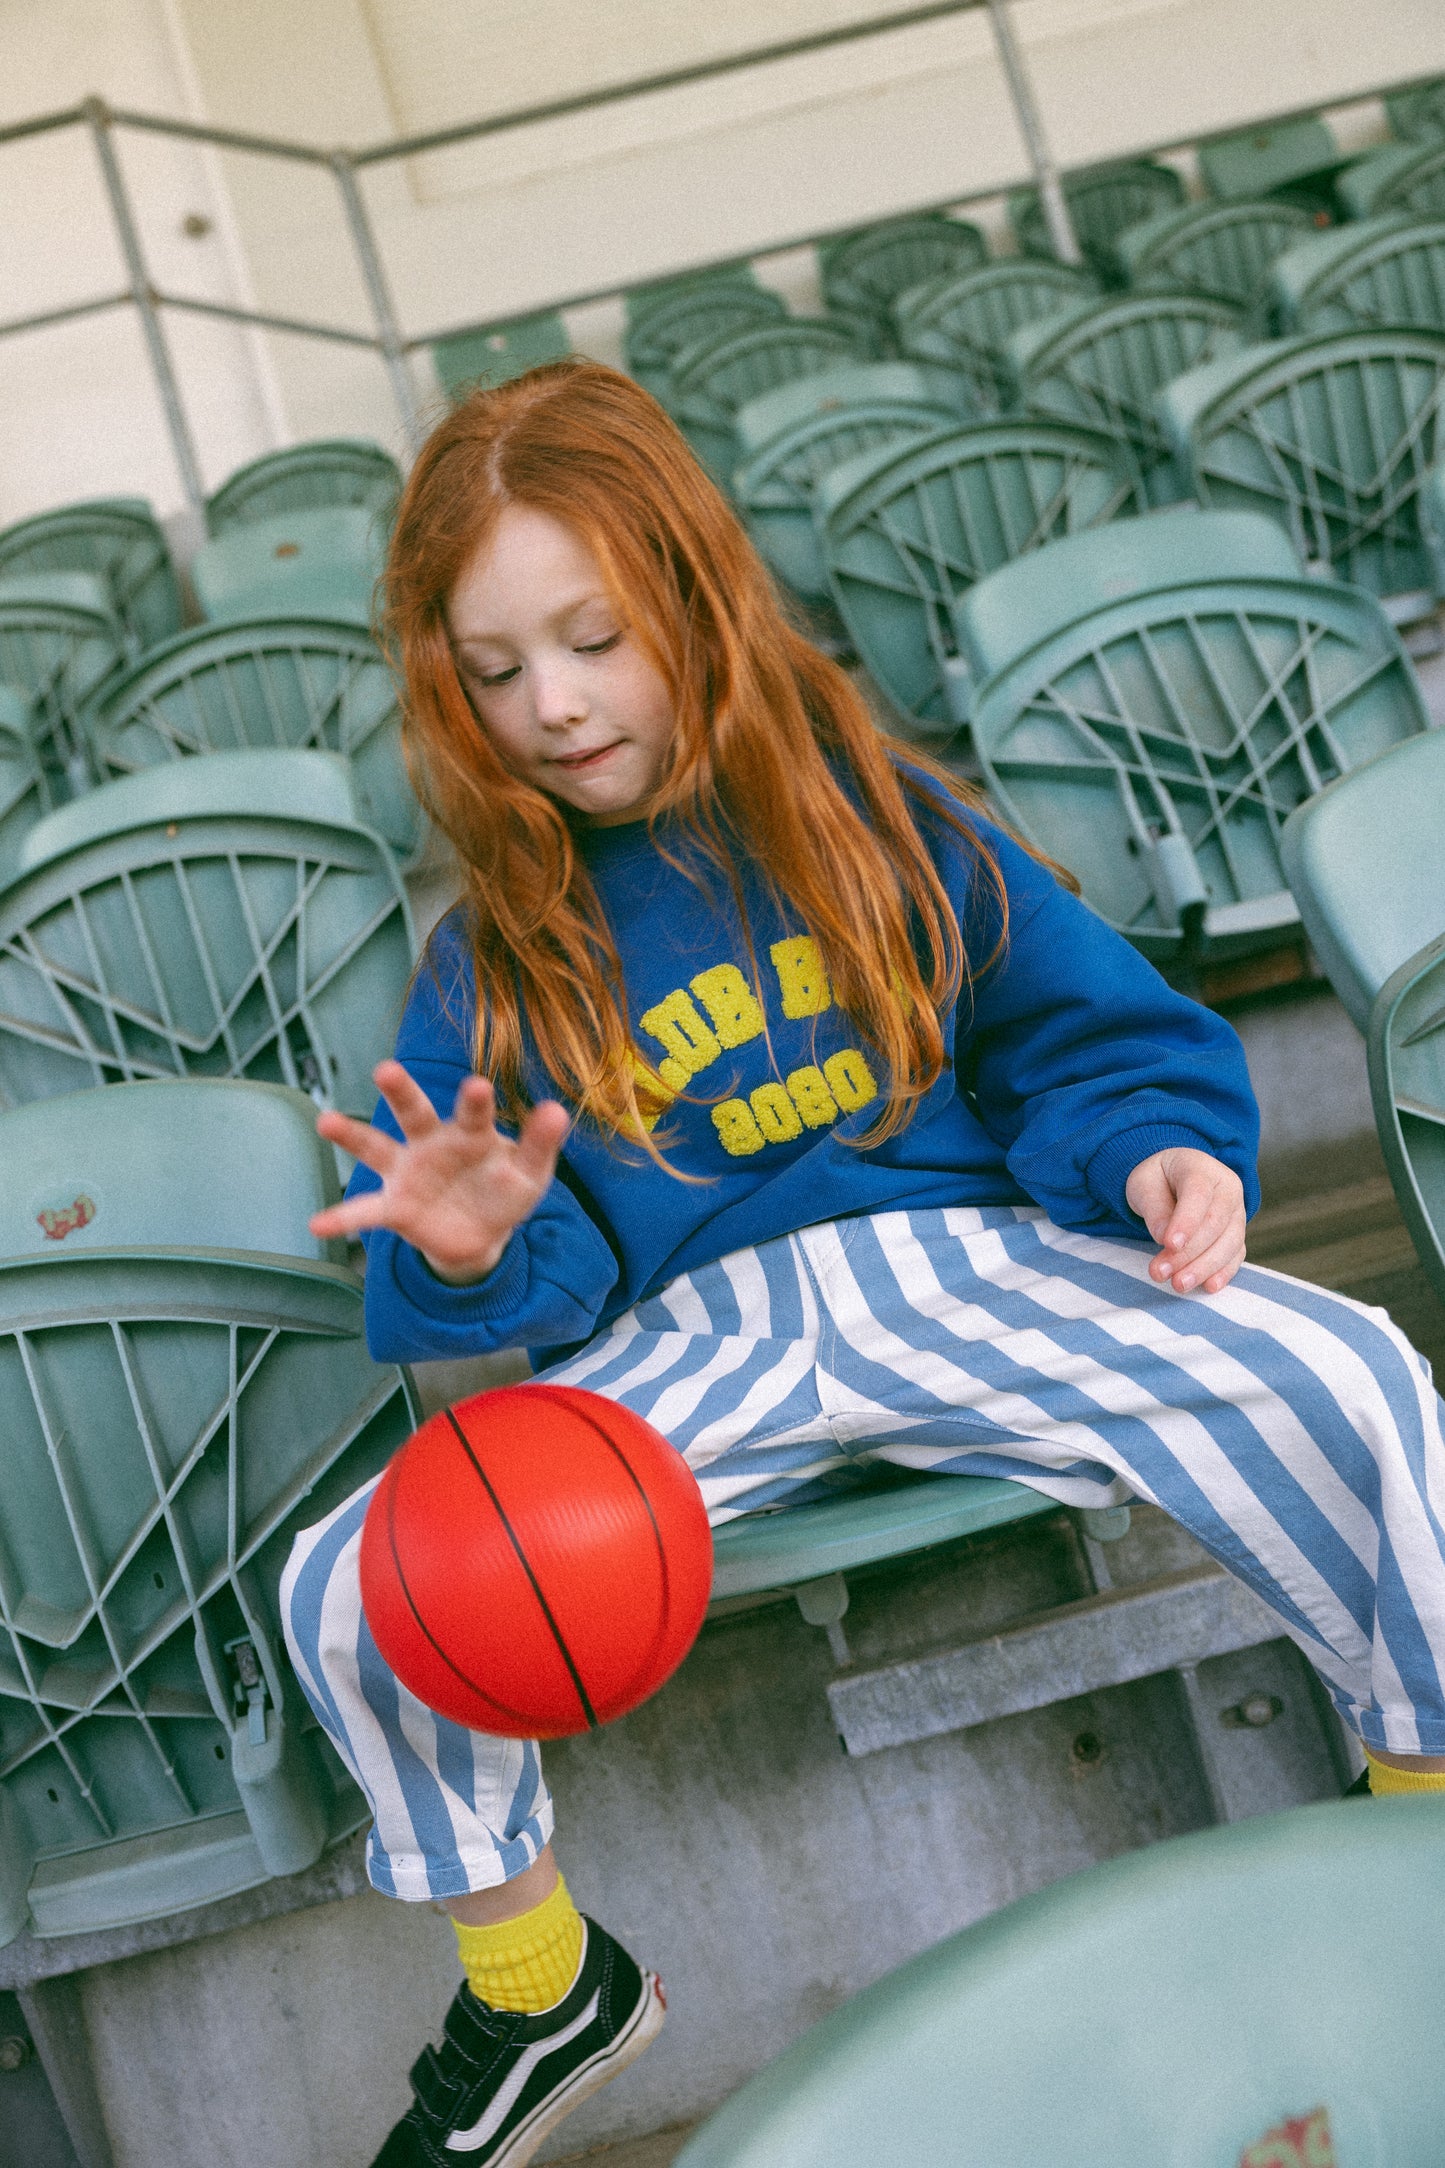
[(1294, 1433)]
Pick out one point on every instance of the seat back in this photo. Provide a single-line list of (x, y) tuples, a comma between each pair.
[(1417, 115), (1387, 270), (640, 301), (691, 316), (495, 353), (906, 531), (1404, 177), (966, 320), (1102, 203), (1332, 435), (226, 917), (1210, 2002), (1223, 250), (305, 477), (291, 683), (711, 382), (117, 539), (1157, 746), (56, 653), (866, 271), (25, 790), (1256, 161), (1407, 1086), (320, 564)]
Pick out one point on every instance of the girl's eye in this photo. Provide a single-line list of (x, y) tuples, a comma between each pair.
[(499, 677), (599, 647)]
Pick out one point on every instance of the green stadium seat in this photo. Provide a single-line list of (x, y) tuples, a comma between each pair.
[(791, 437), (1259, 1996), (965, 321), (865, 272), (1103, 201), (1102, 365), (494, 353), (1365, 862), (1156, 744), (1223, 250), (183, 1382), (292, 682), (1293, 159), (117, 540), (1332, 435), (25, 792), (306, 477), (1405, 177), (225, 917), (1418, 115), (1388, 270), (906, 531), (711, 381), (690, 317), (640, 301), (298, 564), (59, 641)]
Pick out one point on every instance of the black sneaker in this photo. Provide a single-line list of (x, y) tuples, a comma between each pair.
[(502, 2079)]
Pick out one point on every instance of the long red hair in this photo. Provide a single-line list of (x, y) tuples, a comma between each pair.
[(767, 728)]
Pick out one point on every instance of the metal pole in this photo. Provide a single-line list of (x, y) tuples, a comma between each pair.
[(389, 338), (97, 113), (1046, 173)]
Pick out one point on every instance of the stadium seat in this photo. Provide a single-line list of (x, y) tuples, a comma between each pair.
[(689, 317), (791, 437), (494, 353), (24, 791), (1103, 201), (864, 273), (1102, 365), (297, 564), (907, 530), (1405, 177), (1156, 743), (711, 381), (1295, 160), (1223, 250), (306, 477), (1418, 115), (225, 917), (115, 539), (1332, 435), (640, 301), (183, 1382), (965, 321), (293, 682), (1260, 1996), (1365, 863), (59, 641), (1388, 270)]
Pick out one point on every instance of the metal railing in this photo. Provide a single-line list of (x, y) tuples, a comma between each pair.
[(387, 339)]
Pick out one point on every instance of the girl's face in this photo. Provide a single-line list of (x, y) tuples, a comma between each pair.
[(560, 685)]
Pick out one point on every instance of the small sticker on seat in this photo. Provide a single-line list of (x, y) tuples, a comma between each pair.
[(1301, 2141), (58, 1221)]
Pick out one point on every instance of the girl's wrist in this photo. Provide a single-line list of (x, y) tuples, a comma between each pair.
[(470, 1271)]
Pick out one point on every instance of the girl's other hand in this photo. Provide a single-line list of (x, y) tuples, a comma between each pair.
[(1193, 1206), (453, 1189)]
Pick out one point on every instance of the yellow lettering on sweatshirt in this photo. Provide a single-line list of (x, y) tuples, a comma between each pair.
[(731, 1004), (802, 980), (690, 1043), (808, 1090), (777, 1117), (850, 1080), (737, 1128)]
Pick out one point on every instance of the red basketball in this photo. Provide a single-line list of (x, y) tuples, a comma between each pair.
[(535, 1561)]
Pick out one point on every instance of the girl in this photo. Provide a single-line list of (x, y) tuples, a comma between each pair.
[(761, 1083)]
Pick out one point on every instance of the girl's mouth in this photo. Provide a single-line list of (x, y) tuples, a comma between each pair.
[(576, 763)]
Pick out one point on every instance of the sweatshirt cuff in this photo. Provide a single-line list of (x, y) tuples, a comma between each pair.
[(498, 1295), (1116, 1159)]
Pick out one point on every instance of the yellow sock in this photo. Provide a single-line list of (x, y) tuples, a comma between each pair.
[(1384, 1780), (527, 1963)]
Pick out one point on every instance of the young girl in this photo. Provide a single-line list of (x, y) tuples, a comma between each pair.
[(762, 1084)]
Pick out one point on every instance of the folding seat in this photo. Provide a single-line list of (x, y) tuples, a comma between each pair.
[(1223, 250), (225, 917), (183, 1382), (711, 381), (905, 532), (1293, 159), (1418, 115), (1221, 2000), (791, 437), (322, 564), (864, 273), (118, 540), (1102, 367), (1186, 688), (690, 316), (1365, 863), (1103, 201), (305, 477), (493, 353), (24, 790), (1403, 177), (59, 641), (1388, 270), (291, 682), (1332, 435), (640, 301), (965, 321)]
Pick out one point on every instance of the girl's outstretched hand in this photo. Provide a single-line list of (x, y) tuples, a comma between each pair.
[(1193, 1206), (453, 1189)]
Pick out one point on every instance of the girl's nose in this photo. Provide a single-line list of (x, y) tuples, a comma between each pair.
[(558, 697)]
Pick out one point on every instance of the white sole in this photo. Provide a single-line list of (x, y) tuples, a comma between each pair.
[(589, 2078)]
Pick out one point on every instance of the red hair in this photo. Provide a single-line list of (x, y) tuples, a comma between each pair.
[(767, 727)]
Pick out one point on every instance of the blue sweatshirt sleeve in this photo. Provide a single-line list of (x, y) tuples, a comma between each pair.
[(557, 1269), (1081, 1061)]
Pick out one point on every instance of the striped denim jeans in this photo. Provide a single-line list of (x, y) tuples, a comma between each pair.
[(1294, 1433)]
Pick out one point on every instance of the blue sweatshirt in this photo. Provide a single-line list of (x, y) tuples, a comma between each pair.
[(1073, 1061)]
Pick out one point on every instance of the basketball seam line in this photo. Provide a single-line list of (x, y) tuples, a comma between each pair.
[(624, 1463), (412, 1606), (525, 1563)]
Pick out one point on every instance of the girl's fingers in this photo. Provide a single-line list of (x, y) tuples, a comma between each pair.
[(543, 1135), (349, 1217), (475, 1107), (1225, 1256), (1222, 1214), (415, 1114), (373, 1147)]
